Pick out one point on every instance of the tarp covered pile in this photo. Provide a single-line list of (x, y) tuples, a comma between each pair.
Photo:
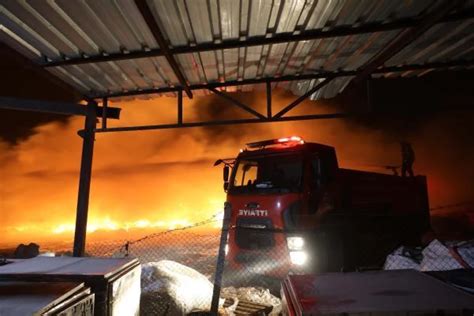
[(437, 256), (170, 288)]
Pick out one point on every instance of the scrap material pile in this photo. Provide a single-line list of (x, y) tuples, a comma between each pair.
[(437, 256)]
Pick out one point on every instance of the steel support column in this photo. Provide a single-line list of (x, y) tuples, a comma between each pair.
[(88, 136)]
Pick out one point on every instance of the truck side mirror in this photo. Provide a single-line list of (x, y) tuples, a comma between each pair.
[(226, 186), (225, 174)]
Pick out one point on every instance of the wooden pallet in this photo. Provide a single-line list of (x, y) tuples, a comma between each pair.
[(243, 308), (248, 308)]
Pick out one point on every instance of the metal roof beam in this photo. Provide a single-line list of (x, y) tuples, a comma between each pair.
[(337, 31), (145, 11), (406, 37), (206, 86), (237, 103), (315, 75), (303, 97), (224, 122), (433, 65), (37, 69), (62, 108)]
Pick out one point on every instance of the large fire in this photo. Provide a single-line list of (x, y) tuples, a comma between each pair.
[(155, 180)]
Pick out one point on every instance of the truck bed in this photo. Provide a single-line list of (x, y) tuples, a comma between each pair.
[(376, 192)]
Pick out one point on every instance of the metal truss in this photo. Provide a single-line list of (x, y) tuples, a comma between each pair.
[(337, 31), (258, 117), (309, 76)]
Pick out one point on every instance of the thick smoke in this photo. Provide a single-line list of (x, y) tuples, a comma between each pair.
[(167, 175)]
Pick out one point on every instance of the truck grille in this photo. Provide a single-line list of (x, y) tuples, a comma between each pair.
[(254, 233)]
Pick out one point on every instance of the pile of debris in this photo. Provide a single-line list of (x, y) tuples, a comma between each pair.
[(437, 256)]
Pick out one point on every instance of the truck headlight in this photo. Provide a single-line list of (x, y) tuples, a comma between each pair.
[(298, 258), (295, 243), (226, 249)]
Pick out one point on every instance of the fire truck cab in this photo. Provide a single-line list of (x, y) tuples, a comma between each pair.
[(294, 209)]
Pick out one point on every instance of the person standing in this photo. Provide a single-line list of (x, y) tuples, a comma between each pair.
[(408, 158)]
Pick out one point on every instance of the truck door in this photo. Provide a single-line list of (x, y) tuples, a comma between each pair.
[(314, 184), (320, 176), (326, 237)]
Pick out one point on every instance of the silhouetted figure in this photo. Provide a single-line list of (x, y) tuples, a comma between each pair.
[(408, 158)]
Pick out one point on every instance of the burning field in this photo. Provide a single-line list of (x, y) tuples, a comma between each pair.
[(145, 182)]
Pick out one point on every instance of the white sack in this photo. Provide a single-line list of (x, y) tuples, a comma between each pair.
[(184, 289), (437, 257), (397, 261)]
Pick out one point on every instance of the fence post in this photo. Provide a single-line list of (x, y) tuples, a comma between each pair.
[(220, 259)]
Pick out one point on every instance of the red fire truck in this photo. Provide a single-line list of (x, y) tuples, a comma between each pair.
[(294, 208)]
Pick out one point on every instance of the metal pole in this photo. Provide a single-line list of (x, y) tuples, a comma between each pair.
[(88, 135), (269, 100), (180, 107), (220, 260), (104, 112)]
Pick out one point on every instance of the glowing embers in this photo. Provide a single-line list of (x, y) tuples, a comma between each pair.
[(109, 225)]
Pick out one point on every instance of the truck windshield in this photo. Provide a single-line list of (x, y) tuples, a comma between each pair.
[(279, 173)]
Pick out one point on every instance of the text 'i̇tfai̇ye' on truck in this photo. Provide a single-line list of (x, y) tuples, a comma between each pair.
[(294, 209)]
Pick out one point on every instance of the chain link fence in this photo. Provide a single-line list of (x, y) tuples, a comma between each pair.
[(194, 246), (169, 258), (180, 265)]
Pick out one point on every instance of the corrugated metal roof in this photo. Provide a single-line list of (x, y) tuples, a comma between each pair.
[(51, 30)]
